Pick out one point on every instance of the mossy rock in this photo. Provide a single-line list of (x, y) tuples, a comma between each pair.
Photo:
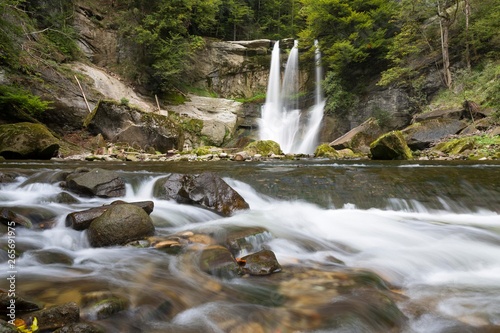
[(27, 141), (264, 148), (324, 150), (203, 150), (455, 146), (390, 146)]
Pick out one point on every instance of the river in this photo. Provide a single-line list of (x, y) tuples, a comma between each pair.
[(425, 234)]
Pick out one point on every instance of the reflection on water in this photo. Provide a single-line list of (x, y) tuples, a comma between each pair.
[(365, 247)]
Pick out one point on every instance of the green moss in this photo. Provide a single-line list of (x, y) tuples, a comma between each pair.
[(324, 150), (263, 147), (14, 99), (203, 150), (390, 146), (483, 146), (455, 146)]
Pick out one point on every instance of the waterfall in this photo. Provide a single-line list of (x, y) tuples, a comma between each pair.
[(282, 120)]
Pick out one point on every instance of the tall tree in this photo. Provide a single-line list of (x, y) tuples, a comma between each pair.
[(447, 12)]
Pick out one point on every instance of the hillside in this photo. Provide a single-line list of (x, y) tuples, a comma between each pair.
[(58, 63)]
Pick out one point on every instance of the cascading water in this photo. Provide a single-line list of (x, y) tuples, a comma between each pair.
[(358, 242), (282, 120)]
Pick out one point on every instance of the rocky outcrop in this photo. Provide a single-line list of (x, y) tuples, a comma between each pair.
[(27, 141), (96, 182), (119, 225), (233, 69), (422, 134), (218, 118), (125, 124), (393, 105), (390, 146), (206, 190), (360, 137)]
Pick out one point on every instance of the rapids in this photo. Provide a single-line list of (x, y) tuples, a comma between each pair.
[(430, 231)]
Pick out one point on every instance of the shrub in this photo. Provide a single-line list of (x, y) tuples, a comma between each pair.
[(19, 100)]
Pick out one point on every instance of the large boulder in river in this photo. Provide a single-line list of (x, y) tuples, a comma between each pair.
[(119, 225), (390, 146), (96, 182), (123, 123), (27, 141), (206, 189)]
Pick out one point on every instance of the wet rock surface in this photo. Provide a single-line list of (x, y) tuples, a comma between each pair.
[(96, 182), (119, 225), (206, 190), (81, 220)]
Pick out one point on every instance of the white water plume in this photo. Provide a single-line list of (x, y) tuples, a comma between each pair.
[(282, 120)]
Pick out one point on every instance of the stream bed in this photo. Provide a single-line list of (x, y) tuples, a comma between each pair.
[(364, 246)]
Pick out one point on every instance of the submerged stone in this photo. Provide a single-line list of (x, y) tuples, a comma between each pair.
[(217, 260), (260, 263)]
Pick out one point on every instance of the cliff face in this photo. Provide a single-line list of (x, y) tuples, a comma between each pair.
[(229, 69)]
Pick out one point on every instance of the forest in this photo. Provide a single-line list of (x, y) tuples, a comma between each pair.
[(391, 42)]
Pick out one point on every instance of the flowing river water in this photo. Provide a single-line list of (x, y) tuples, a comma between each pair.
[(351, 237)]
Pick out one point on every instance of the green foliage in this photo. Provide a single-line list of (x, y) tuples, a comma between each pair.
[(257, 98), (481, 85), (484, 28), (14, 99), (340, 101), (124, 101), (383, 117), (349, 32)]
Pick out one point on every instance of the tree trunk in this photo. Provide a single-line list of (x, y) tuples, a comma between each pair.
[(467, 48), (445, 22)]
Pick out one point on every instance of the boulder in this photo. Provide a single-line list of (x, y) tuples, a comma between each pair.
[(324, 150), (453, 113), (55, 316), (206, 190), (22, 305), (260, 263), (214, 119), (422, 134), (96, 182), (217, 260), (7, 177), (240, 239), (81, 220), (27, 141), (264, 148), (123, 123), (390, 146), (119, 225), (7, 215), (360, 137)]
